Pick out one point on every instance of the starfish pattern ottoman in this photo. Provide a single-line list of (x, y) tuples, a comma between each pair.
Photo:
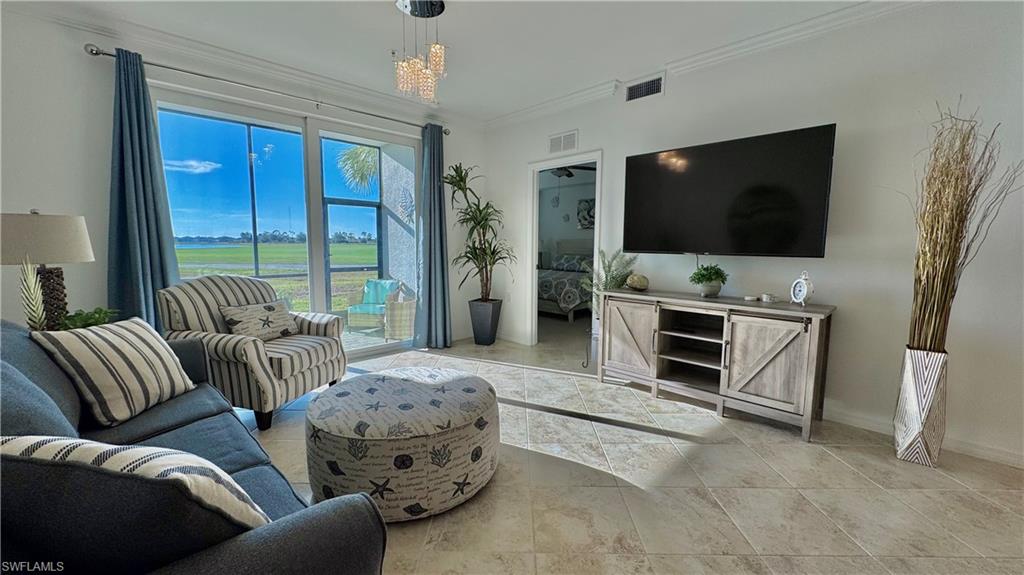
[(418, 440)]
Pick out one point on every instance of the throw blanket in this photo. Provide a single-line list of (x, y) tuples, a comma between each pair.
[(562, 287)]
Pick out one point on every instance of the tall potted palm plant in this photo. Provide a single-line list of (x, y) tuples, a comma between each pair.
[(483, 250), (957, 201)]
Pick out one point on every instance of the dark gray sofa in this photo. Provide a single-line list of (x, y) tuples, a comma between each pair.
[(341, 535)]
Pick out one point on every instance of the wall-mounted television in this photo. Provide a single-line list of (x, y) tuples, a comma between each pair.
[(759, 196)]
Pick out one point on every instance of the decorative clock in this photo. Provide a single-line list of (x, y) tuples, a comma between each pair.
[(802, 289)]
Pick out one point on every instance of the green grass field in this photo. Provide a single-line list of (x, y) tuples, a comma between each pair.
[(284, 259)]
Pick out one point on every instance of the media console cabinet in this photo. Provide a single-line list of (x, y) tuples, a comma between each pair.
[(768, 359)]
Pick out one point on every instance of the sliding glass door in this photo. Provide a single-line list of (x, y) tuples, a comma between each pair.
[(323, 211)]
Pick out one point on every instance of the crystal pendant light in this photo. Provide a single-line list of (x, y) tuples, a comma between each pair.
[(436, 55), (417, 75)]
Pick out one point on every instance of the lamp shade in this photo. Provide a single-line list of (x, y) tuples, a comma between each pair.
[(45, 239)]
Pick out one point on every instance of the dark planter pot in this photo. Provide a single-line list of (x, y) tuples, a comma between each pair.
[(484, 315)]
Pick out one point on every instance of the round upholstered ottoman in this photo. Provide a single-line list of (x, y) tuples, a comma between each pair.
[(418, 440)]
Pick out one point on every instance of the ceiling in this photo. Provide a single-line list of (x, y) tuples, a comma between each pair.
[(503, 56)]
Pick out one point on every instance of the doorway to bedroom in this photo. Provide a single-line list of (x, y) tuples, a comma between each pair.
[(565, 245)]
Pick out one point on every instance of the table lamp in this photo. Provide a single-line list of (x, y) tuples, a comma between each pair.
[(46, 239)]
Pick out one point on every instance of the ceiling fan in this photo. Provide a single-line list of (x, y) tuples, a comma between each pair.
[(567, 171)]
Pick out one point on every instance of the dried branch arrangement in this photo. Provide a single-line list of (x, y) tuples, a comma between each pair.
[(957, 202), (32, 296)]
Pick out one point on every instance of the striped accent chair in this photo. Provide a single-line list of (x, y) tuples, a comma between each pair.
[(252, 373)]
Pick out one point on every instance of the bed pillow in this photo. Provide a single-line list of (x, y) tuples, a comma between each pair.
[(570, 263), (69, 498), (120, 369), (266, 321)]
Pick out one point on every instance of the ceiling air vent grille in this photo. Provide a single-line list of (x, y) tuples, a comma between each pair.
[(649, 87), (565, 142)]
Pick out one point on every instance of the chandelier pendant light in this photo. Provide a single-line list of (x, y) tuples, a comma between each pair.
[(417, 74)]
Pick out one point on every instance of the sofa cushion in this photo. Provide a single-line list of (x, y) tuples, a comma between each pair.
[(291, 355), (32, 361), (270, 490), (27, 410), (200, 403), (266, 321), (221, 439), (121, 369), (129, 509)]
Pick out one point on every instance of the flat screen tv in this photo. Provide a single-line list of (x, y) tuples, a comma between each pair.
[(758, 196)]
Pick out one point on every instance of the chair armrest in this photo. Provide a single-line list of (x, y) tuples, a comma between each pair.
[(341, 535), (192, 355), (222, 346), (322, 324)]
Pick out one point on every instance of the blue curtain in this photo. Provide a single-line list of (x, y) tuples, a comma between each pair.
[(433, 312), (141, 256)]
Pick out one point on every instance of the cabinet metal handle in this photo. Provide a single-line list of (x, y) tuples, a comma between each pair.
[(654, 342)]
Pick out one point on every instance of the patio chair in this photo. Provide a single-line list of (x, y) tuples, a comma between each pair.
[(387, 304)]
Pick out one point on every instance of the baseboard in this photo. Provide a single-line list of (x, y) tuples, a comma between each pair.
[(884, 425)]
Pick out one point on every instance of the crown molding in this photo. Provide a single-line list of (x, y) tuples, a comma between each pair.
[(805, 29), (197, 53), (789, 34), (578, 98)]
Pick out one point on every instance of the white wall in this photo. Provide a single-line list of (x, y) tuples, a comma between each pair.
[(552, 225), (879, 81), (56, 114)]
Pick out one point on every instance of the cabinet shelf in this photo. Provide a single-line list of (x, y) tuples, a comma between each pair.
[(701, 334), (701, 358)]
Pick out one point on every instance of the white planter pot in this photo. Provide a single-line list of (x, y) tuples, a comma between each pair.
[(920, 422), (710, 289)]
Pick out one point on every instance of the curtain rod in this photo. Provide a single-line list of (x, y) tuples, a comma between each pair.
[(94, 50)]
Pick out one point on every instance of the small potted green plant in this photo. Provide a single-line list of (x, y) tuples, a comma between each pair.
[(709, 279)]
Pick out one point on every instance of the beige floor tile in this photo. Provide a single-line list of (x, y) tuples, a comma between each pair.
[(563, 464), (698, 429), (1010, 499), (708, 565), (824, 566), (782, 522), (671, 403), (461, 364), (583, 520), (302, 402), (498, 518), (884, 526), (373, 364), (1009, 566), (611, 433), (408, 535), (513, 466), (551, 428), (477, 563), (287, 424), (414, 359), (487, 369), (730, 466), (555, 394), (400, 562), (979, 473), (591, 564), (303, 491), (511, 387), (985, 526), (650, 465), (611, 399), (683, 521), (806, 465), (289, 456), (834, 433), (880, 465), (941, 566), (513, 425), (757, 431)]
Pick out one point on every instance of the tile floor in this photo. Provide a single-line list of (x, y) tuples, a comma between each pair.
[(693, 494)]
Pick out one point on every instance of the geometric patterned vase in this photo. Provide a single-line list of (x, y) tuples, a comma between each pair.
[(920, 421)]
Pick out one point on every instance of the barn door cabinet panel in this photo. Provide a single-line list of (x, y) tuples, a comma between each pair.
[(766, 359)]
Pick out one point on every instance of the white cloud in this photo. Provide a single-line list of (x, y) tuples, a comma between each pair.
[(190, 166)]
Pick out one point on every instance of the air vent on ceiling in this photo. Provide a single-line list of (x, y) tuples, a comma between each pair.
[(564, 142), (644, 88)]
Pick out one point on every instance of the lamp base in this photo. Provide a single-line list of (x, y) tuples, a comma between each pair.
[(55, 299)]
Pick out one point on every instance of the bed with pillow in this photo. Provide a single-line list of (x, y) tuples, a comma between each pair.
[(559, 290)]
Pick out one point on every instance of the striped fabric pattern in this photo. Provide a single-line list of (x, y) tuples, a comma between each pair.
[(322, 324), (195, 304), (400, 320), (203, 481), (290, 355), (120, 369)]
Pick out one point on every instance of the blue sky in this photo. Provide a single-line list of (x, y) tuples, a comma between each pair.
[(208, 179)]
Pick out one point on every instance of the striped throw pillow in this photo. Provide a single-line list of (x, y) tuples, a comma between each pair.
[(266, 321), (121, 369), (202, 481)]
